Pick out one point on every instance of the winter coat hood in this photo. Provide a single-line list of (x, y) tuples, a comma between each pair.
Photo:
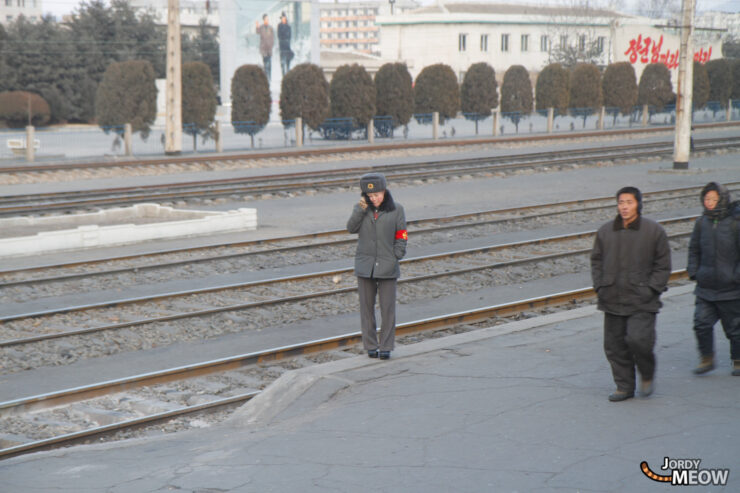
[(723, 206)]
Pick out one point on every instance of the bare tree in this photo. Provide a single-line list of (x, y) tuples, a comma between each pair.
[(573, 37), (659, 9)]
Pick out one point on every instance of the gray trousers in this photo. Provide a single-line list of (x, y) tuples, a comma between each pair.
[(385, 289), (628, 342)]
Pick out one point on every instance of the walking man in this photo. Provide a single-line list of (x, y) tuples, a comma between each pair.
[(286, 54), (630, 267), (714, 263), (267, 42), (381, 227)]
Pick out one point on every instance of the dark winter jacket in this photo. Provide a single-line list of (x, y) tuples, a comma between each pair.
[(630, 267), (714, 250), (284, 37), (382, 239)]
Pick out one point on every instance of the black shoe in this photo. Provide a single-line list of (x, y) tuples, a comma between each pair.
[(385, 354), (621, 395), (373, 353)]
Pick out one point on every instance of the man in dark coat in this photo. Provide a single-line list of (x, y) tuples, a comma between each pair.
[(714, 263), (630, 267), (283, 34), (381, 225)]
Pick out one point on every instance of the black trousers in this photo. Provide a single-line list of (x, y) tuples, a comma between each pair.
[(628, 343), (706, 314), (385, 289)]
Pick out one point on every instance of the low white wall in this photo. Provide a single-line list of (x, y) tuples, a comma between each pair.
[(185, 223)]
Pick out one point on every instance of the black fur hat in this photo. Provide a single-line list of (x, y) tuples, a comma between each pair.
[(372, 182)]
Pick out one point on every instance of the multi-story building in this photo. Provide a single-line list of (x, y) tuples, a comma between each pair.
[(351, 25), (12, 9)]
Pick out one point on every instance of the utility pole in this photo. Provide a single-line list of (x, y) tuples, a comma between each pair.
[(682, 143), (173, 123)]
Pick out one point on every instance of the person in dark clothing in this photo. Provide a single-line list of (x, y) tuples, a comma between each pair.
[(714, 263), (267, 41), (381, 227), (630, 267), (286, 54)]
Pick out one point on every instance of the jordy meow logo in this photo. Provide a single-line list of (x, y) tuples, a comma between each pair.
[(686, 472)]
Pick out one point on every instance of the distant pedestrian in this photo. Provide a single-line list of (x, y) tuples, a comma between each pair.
[(381, 227), (283, 33), (267, 42), (714, 263), (630, 267)]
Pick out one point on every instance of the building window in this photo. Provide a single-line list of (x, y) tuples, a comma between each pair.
[(600, 44), (544, 42), (9, 3), (484, 42), (563, 42), (9, 18), (525, 42), (462, 41), (582, 42), (504, 42), (21, 3)]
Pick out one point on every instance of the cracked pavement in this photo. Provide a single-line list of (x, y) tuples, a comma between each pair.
[(516, 407)]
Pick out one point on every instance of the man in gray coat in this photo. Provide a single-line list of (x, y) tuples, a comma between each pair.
[(267, 42), (381, 225), (630, 267)]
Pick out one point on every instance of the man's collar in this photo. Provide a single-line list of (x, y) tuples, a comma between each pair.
[(619, 224)]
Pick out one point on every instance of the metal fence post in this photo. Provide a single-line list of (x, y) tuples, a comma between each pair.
[(550, 119), (435, 125), (127, 131), (299, 131), (371, 131), (602, 117), (495, 122), (219, 138), (644, 115), (30, 149)]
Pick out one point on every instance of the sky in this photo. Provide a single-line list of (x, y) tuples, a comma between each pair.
[(62, 7)]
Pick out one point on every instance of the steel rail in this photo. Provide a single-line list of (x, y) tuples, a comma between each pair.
[(317, 294), (323, 244), (68, 396), (585, 205), (313, 275), (356, 148), (249, 187)]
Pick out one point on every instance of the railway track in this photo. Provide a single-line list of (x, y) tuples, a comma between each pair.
[(29, 340), (70, 416), (248, 188)]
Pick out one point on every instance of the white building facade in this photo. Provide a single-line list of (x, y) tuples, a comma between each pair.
[(10, 10), (502, 35)]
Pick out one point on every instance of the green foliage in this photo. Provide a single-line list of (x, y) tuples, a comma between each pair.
[(585, 87), (250, 99), (198, 98), (304, 93), (619, 85), (735, 66), (553, 88), (655, 87), (700, 94), (479, 90), (352, 94), (14, 109), (516, 90), (127, 94), (202, 47), (436, 89), (394, 93), (720, 80)]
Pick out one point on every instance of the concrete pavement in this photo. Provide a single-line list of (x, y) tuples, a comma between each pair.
[(515, 407)]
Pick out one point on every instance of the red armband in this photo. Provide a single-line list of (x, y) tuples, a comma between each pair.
[(402, 234)]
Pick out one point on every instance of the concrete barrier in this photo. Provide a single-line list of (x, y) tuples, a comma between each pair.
[(86, 231)]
